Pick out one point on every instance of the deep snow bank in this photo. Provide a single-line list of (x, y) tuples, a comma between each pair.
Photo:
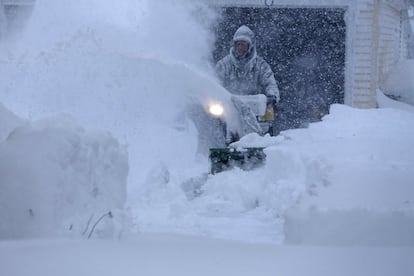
[(367, 196), (400, 83), (55, 176), (384, 101)]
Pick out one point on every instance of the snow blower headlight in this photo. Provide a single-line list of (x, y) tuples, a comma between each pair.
[(216, 109)]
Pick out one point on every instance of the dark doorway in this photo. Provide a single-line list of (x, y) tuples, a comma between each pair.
[(305, 48)]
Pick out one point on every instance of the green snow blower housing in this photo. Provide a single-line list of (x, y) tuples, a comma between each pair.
[(223, 159), (255, 116)]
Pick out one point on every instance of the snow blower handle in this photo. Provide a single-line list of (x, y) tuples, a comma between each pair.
[(271, 100)]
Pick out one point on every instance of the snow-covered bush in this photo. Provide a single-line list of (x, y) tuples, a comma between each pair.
[(57, 178)]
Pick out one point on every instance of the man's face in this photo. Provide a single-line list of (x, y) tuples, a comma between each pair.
[(241, 47)]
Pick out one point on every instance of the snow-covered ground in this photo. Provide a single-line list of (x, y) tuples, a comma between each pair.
[(94, 121), (181, 256)]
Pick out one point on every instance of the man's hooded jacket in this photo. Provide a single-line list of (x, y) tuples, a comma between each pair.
[(249, 74)]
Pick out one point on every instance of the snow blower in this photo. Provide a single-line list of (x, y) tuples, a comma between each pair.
[(254, 116)]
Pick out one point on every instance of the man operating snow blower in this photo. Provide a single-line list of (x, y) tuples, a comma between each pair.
[(247, 76), (243, 72)]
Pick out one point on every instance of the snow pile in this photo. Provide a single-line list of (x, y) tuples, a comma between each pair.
[(384, 101), (400, 83), (55, 177), (367, 196)]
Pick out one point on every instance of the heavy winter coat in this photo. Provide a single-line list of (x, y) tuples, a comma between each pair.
[(247, 75)]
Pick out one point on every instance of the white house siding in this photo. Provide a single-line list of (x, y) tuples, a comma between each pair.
[(365, 50), (407, 37), (390, 38), (377, 47)]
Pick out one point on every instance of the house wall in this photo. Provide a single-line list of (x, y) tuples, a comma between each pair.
[(376, 48), (390, 38), (407, 37), (363, 73), (281, 3)]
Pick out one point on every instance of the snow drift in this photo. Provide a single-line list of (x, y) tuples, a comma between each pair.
[(399, 82), (55, 176), (367, 195)]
